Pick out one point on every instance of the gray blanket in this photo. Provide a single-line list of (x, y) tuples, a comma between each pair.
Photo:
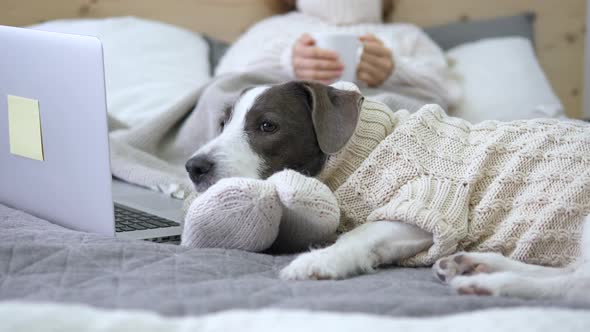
[(153, 154), (42, 261)]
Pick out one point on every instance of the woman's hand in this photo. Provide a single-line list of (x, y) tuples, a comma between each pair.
[(376, 63), (313, 63)]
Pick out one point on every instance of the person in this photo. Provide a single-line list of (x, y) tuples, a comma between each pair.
[(396, 56)]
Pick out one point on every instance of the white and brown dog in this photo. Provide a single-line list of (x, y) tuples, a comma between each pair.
[(271, 128)]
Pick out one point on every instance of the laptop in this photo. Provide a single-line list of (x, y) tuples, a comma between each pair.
[(54, 148)]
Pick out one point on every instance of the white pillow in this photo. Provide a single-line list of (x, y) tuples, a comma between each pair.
[(149, 65), (502, 80)]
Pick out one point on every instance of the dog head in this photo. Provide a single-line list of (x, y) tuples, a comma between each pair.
[(294, 125)]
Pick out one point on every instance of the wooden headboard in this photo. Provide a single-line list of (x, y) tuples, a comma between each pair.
[(560, 26), (224, 19)]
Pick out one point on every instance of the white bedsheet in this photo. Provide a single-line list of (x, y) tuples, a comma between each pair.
[(20, 316)]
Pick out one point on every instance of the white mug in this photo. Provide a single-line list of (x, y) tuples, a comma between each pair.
[(348, 47)]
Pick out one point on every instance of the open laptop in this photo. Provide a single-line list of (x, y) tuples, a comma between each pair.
[(54, 149)]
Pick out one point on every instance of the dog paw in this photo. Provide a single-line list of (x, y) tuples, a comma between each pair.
[(460, 264), (496, 284), (318, 265), (473, 285)]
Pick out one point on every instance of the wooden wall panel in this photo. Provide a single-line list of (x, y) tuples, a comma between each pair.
[(560, 26), (560, 30), (224, 19)]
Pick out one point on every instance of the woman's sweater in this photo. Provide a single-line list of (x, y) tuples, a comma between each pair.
[(421, 67), (521, 188)]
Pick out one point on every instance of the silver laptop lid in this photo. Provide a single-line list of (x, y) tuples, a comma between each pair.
[(71, 186)]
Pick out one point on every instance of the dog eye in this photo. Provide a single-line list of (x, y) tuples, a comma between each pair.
[(222, 125), (268, 127)]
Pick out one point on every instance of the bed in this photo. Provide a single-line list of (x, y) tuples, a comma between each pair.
[(63, 271), (43, 262)]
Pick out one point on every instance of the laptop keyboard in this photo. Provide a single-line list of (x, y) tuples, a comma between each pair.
[(128, 219)]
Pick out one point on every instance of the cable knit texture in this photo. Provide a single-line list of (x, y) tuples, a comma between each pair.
[(376, 122), (235, 213), (310, 212), (521, 188), (288, 211)]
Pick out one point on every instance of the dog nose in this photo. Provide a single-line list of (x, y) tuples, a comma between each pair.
[(198, 166)]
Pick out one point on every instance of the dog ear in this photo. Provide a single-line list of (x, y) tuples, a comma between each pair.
[(334, 113)]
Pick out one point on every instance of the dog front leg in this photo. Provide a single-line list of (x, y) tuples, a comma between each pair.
[(360, 251)]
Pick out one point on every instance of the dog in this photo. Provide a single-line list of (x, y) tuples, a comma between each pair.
[(294, 126)]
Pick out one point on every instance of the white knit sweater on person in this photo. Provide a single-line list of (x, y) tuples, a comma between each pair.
[(520, 188), (420, 65)]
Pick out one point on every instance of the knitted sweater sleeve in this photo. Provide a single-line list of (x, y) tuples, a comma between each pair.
[(421, 66), (265, 46), (435, 205)]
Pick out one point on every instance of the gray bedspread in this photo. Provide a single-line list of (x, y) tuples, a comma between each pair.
[(42, 261)]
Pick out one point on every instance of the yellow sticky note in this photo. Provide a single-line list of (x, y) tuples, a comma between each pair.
[(24, 126)]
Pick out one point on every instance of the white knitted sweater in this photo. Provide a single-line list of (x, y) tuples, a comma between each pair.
[(421, 67), (521, 188)]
